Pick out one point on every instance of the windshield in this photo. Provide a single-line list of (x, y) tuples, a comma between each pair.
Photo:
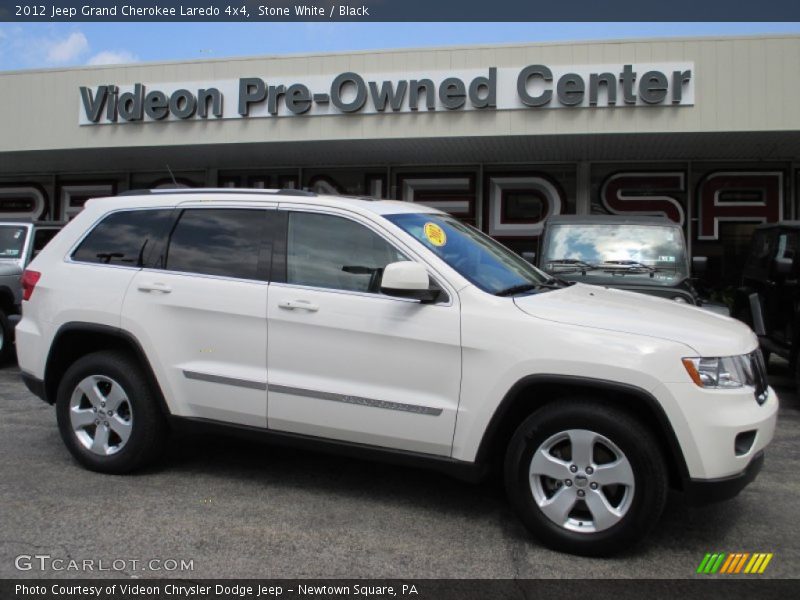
[(477, 257), (12, 241), (598, 250)]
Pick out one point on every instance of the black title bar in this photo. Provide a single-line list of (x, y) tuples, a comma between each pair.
[(395, 10), (397, 589)]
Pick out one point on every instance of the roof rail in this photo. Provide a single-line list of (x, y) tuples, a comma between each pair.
[(134, 193), (255, 191)]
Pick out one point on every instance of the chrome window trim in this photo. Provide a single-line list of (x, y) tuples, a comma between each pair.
[(183, 206), (399, 245)]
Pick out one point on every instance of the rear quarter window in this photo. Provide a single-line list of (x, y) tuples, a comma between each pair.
[(125, 238)]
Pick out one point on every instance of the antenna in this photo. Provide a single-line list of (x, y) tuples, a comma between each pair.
[(173, 176)]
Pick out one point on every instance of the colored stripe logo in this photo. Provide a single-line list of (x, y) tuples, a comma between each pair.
[(732, 563)]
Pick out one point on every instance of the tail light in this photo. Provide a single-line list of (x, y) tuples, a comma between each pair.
[(29, 281)]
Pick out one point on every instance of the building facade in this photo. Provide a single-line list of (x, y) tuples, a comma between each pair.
[(705, 131)]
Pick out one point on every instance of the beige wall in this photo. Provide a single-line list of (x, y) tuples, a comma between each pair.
[(741, 84)]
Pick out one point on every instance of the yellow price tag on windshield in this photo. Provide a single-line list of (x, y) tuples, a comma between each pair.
[(435, 234)]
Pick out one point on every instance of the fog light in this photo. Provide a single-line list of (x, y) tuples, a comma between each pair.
[(680, 299)]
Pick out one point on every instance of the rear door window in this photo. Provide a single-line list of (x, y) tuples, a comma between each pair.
[(226, 242), (125, 238)]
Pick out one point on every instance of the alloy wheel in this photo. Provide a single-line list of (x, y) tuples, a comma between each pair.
[(101, 415), (581, 481)]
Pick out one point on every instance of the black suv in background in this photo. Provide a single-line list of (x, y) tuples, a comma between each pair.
[(769, 298), (639, 254), (20, 242)]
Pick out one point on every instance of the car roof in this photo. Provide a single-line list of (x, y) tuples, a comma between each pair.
[(154, 198), (611, 220)]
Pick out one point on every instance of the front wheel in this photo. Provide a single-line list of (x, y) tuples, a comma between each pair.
[(585, 478), (108, 414)]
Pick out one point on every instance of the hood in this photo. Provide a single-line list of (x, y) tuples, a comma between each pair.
[(708, 334), (10, 267)]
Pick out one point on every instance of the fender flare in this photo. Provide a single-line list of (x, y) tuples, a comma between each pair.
[(123, 335), (675, 457)]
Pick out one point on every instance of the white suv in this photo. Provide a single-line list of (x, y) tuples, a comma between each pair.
[(391, 330)]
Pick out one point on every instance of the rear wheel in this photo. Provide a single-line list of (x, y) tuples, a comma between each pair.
[(108, 415), (585, 478)]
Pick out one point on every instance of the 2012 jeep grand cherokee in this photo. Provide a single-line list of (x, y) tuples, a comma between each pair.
[(388, 329)]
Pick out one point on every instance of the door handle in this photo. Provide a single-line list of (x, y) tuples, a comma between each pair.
[(301, 304), (155, 287)]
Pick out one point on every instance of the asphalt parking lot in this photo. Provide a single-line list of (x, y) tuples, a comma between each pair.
[(239, 509)]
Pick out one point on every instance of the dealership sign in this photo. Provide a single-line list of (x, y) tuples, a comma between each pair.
[(534, 86)]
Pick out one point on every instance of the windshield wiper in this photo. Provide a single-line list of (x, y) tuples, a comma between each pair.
[(526, 287), (572, 262), (570, 265), (627, 265), (634, 267)]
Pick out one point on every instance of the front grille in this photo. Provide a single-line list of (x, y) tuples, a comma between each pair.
[(758, 370)]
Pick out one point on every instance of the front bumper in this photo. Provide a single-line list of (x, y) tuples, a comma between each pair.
[(710, 424), (699, 492)]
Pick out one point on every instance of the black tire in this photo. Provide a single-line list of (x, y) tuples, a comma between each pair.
[(6, 338), (148, 427), (631, 437)]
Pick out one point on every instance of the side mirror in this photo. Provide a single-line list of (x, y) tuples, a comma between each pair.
[(699, 265), (783, 266), (407, 279), (530, 257)]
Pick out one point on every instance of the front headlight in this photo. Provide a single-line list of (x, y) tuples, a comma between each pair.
[(720, 373)]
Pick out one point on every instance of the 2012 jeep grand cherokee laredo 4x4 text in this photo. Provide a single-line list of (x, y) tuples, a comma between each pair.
[(388, 329)]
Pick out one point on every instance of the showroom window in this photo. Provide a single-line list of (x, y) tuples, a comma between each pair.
[(332, 252), (123, 238), (222, 242)]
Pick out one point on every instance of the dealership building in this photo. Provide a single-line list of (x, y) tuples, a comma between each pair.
[(705, 131)]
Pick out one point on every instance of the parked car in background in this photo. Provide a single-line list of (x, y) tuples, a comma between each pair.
[(640, 254), (20, 241), (396, 332), (769, 297)]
